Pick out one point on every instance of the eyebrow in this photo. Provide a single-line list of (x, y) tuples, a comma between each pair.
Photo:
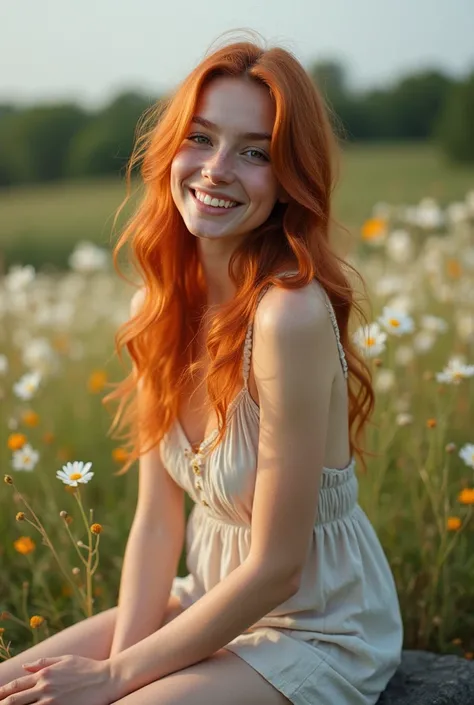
[(247, 135)]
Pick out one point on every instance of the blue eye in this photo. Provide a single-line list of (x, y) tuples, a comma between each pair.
[(196, 136), (199, 138), (259, 154)]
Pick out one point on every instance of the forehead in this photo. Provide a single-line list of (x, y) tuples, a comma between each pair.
[(236, 104)]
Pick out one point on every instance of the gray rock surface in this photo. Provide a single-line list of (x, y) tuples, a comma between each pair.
[(424, 678)]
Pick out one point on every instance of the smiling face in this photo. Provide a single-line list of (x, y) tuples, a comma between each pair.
[(222, 181)]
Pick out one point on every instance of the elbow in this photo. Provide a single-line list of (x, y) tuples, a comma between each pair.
[(283, 580)]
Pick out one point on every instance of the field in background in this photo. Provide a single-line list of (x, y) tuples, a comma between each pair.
[(418, 490), (41, 224)]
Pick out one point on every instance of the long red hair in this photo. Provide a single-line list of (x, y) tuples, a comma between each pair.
[(159, 337)]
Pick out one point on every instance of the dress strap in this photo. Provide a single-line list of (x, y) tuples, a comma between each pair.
[(249, 335)]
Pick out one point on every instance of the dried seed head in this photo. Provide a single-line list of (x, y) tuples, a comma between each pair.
[(76, 571), (63, 514), (20, 516), (8, 480), (96, 528)]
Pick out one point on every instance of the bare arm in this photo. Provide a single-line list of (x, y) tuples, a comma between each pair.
[(152, 553), (294, 368)]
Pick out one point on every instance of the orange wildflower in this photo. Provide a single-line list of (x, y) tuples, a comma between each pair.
[(16, 441), (466, 496), (30, 418), (64, 453), (96, 529), (374, 229), (431, 423), (97, 381), (453, 523), (453, 268), (48, 437), (24, 545), (120, 455), (36, 621), (61, 343)]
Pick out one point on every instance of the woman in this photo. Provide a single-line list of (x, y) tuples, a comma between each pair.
[(248, 397)]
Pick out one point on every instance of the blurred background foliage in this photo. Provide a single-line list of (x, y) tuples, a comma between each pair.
[(62, 166)]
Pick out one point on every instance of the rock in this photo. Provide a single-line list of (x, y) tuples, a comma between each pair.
[(424, 678)]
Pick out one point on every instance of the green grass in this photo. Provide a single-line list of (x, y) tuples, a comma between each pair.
[(40, 224)]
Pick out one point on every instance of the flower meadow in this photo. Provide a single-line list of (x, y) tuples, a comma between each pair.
[(65, 514)]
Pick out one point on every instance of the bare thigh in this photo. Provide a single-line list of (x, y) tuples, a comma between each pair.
[(223, 679), (92, 638)]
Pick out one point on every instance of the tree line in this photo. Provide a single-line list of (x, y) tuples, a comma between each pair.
[(42, 143)]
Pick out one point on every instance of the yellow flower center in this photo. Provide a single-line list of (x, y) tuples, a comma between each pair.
[(369, 342), (394, 322), (75, 476)]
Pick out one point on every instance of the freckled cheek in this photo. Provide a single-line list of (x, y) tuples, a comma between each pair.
[(183, 166), (261, 188)]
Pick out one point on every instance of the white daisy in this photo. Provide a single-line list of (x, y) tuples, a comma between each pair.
[(28, 385), (467, 454), (434, 324), (370, 340), (423, 341), (455, 371), (396, 321), (404, 355), (404, 419), (74, 473), (399, 246), (25, 458), (384, 381), (19, 278)]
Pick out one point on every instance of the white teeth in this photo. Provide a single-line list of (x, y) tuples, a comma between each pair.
[(215, 202)]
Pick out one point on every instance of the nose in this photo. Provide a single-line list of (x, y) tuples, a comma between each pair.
[(217, 168)]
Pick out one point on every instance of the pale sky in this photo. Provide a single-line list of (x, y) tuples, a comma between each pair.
[(90, 50)]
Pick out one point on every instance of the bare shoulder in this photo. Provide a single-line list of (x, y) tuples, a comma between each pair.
[(288, 312), (293, 339), (137, 301)]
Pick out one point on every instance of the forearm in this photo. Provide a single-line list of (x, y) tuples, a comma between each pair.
[(150, 564), (231, 607)]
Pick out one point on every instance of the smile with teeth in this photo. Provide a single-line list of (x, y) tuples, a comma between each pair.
[(214, 202)]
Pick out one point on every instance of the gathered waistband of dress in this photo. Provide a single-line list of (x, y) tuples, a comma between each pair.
[(338, 498)]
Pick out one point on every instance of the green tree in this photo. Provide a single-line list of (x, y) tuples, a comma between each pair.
[(105, 144), (417, 101), (34, 142), (454, 130)]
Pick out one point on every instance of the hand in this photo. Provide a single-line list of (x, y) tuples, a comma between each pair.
[(62, 680)]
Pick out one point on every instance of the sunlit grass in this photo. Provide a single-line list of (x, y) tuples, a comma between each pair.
[(419, 487)]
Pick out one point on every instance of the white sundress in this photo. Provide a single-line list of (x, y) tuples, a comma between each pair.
[(338, 640)]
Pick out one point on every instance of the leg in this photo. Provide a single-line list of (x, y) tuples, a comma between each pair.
[(92, 637), (223, 678)]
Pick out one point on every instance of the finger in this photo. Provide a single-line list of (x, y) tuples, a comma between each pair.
[(41, 663), (19, 685)]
